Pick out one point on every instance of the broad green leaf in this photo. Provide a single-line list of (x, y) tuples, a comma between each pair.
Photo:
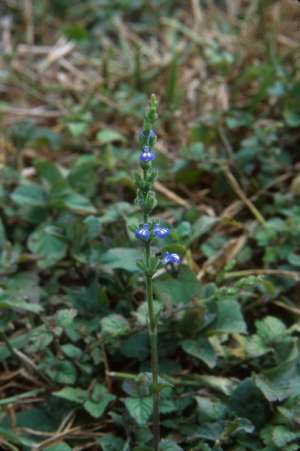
[(280, 382), (48, 244), (235, 426), (65, 317), (248, 402), (111, 443), (179, 290), (59, 447), (294, 259), (136, 346), (270, 329), (210, 410), (169, 445), (229, 318), (83, 172), (282, 436), (202, 350), (52, 174), (114, 325), (107, 136), (167, 406), (30, 195), (90, 298), (141, 314), (121, 258), (93, 226), (61, 372), (71, 351), (99, 400), (139, 408), (221, 384), (7, 303), (40, 341), (18, 342), (77, 203), (72, 394)]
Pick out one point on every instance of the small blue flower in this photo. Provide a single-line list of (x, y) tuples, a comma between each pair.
[(171, 258), (147, 154), (143, 232), (160, 231)]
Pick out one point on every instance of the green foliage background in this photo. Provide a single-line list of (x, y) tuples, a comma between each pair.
[(74, 353)]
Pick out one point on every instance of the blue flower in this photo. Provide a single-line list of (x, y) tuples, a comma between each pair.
[(160, 231), (171, 258), (143, 232), (147, 154)]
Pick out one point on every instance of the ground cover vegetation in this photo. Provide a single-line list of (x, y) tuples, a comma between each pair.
[(75, 78)]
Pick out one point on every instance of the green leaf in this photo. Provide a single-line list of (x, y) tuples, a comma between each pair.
[(30, 195), (77, 203), (139, 408), (141, 314), (180, 290), (229, 318), (114, 325), (136, 346), (65, 317), (282, 436), (99, 401), (270, 329), (107, 136), (59, 447), (40, 341), (111, 443), (61, 372), (7, 303), (50, 172), (210, 410), (294, 259), (248, 402), (169, 445), (224, 385), (83, 174), (71, 351), (121, 258), (279, 382), (72, 394), (202, 350), (48, 244), (235, 426)]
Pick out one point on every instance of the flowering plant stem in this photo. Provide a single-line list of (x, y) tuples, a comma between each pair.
[(154, 353), (148, 232)]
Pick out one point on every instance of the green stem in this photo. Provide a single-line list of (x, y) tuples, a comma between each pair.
[(154, 354)]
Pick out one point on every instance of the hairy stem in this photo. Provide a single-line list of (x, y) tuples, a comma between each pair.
[(154, 354)]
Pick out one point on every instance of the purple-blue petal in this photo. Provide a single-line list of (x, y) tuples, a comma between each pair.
[(161, 231), (147, 154), (171, 258), (142, 232)]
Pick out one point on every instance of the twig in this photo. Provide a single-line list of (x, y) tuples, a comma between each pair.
[(263, 272), (171, 195), (240, 193)]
